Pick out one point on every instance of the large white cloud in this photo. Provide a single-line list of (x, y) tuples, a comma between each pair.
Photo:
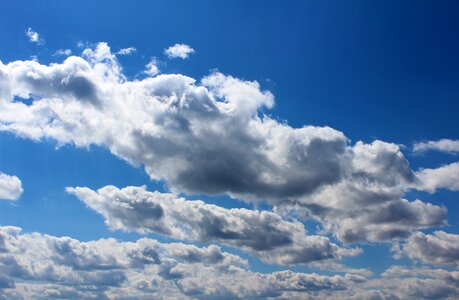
[(10, 187), (212, 137), (264, 234)]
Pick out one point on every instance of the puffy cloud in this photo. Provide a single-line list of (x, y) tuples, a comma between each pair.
[(437, 248), (182, 51), (212, 137), (264, 234), (10, 187), (445, 177), (443, 145), (34, 37), (37, 266), (126, 51)]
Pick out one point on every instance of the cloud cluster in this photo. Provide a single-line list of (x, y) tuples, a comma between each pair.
[(10, 187), (182, 51), (212, 137), (264, 234), (45, 267)]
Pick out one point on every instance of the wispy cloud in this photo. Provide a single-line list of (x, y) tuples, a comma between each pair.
[(34, 37)]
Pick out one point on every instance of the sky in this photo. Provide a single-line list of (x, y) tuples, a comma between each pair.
[(229, 150)]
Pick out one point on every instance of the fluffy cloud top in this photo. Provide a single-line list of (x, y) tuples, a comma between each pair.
[(182, 51), (444, 145), (10, 187)]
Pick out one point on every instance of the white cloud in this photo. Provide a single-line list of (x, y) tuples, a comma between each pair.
[(263, 234), (182, 51), (445, 177), (152, 67), (126, 51), (64, 52), (212, 137), (439, 248), (10, 187), (34, 37), (443, 145), (36, 266)]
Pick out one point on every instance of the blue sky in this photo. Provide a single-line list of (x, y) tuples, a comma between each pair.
[(332, 126)]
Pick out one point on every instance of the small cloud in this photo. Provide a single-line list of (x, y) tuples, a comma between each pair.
[(34, 37), (179, 51), (152, 67), (126, 51), (443, 145), (65, 52)]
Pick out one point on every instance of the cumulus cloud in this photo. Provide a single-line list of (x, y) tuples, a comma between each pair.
[(10, 187), (264, 234), (212, 137), (126, 51), (443, 145), (439, 248), (37, 266), (34, 37), (445, 177), (182, 51)]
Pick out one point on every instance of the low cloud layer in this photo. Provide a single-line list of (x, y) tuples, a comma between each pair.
[(45, 267), (37, 266), (10, 187)]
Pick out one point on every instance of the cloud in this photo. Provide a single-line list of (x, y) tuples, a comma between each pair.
[(36, 266), (64, 52), (182, 51), (211, 136), (443, 145), (10, 187), (439, 248), (152, 67), (263, 234), (126, 51), (445, 177), (34, 37)]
